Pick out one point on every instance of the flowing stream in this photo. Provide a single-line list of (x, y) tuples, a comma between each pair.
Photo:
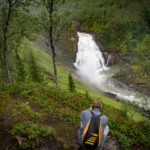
[(92, 69)]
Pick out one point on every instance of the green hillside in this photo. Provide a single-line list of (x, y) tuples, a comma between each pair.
[(38, 101), (37, 111), (45, 64)]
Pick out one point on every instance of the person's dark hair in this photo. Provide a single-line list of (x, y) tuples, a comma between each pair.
[(96, 104)]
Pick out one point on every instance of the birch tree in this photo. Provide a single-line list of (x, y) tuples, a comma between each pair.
[(54, 27), (13, 15)]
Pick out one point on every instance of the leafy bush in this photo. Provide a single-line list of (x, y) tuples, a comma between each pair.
[(143, 54), (34, 70), (20, 68), (32, 135), (29, 135), (25, 113), (71, 84), (68, 105), (124, 141)]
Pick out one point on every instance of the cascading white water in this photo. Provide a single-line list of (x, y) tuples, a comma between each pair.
[(90, 65), (89, 61)]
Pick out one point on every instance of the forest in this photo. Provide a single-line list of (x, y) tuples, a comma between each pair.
[(41, 92)]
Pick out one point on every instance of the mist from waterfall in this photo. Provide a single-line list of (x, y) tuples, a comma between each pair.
[(91, 68)]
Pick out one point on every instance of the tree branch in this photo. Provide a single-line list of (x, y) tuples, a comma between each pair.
[(14, 2)]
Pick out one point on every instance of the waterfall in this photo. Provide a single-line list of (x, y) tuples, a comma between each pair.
[(91, 68), (90, 62)]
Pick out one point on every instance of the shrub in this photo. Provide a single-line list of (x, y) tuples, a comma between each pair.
[(124, 141), (20, 69), (29, 135), (142, 53), (71, 83), (26, 114), (34, 70)]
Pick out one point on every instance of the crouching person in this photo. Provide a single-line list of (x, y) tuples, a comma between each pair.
[(94, 129)]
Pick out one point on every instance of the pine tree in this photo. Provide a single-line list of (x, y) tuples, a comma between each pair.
[(34, 70), (20, 69), (71, 83), (87, 95), (88, 98)]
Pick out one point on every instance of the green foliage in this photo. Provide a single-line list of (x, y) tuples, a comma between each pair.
[(114, 24), (26, 114), (20, 69), (128, 132), (123, 140), (143, 54), (71, 84), (87, 95), (68, 105), (65, 145), (30, 135), (15, 23), (126, 111), (34, 69)]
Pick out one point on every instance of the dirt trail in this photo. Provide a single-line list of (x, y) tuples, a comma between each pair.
[(111, 144)]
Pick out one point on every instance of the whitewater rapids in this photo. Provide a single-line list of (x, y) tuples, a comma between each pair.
[(91, 67)]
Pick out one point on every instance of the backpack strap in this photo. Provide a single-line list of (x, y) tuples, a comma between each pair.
[(85, 129), (95, 115), (100, 133), (101, 115)]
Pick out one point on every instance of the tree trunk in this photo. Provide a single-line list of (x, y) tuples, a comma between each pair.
[(5, 67), (54, 65), (51, 38)]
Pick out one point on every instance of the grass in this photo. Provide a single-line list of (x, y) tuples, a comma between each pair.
[(44, 60), (35, 102), (26, 122)]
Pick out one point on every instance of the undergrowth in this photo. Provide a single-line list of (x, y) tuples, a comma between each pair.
[(68, 106)]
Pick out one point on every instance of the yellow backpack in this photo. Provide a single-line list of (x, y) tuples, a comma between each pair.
[(92, 133)]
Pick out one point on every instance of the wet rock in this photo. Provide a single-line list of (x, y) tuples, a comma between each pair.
[(140, 87), (111, 144), (73, 39), (20, 139), (110, 95), (105, 54), (111, 58), (115, 59)]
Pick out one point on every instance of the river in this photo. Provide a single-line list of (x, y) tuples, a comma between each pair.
[(91, 68)]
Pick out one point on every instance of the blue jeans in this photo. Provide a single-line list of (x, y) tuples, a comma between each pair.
[(79, 135)]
